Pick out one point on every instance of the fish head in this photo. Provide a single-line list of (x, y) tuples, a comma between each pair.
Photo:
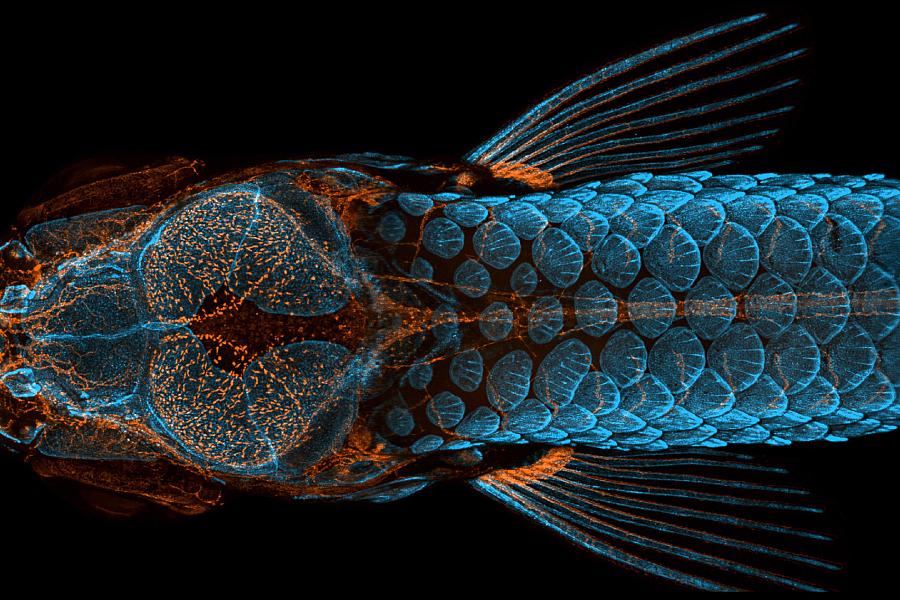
[(231, 331)]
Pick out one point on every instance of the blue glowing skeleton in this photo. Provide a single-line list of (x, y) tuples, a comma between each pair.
[(574, 319)]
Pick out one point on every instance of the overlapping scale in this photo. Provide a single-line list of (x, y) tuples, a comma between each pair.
[(624, 358), (415, 204), (616, 261), (722, 195), (817, 399), (796, 181), (806, 432), (558, 208), (673, 257), (426, 443), (677, 419), (539, 199), (524, 279), (587, 228), (445, 410), (734, 422), (557, 257), (509, 380), (466, 370), (550, 435), (597, 393), (560, 373), (701, 218), (884, 244), (545, 319), (770, 305), (806, 209), (625, 186), (679, 182), (738, 356), (622, 421), (792, 359), (849, 358), (863, 210), (610, 205), (734, 182), (647, 399), (698, 436), (523, 218), (875, 302), (466, 213), (774, 192), (709, 396), (829, 191), (677, 359), (785, 249), (528, 417), (596, 310), (496, 244), (574, 418), (472, 279), (764, 399), (651, 307), (667, 200), (839, 246), (733, 256), (639, 224), (823, 304), (495, 321), (736, 427), (873, 395), (856, 428), (442, 237), (784, 421), (479, 423), (752, 212), (709, 308)]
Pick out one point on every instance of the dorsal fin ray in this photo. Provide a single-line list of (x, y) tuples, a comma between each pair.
[(615, 121)]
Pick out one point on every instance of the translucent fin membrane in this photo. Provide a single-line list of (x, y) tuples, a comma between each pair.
[(691, 102), (707, 521)]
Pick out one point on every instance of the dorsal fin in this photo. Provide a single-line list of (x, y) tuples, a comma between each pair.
[(667, 108)]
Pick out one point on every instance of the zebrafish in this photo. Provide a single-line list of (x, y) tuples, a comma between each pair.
[(579, 318)]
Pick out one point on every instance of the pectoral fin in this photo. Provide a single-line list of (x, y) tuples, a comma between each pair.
[(704, 520)]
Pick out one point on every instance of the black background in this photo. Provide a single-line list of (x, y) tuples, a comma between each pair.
[(427, 81)]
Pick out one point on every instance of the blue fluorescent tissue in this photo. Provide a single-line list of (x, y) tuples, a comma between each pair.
[(584, 317)]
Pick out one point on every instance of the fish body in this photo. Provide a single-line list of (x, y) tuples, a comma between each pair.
[(650, 312), (576, 318)]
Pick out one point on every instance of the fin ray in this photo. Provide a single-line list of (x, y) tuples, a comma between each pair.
[(625, 509), (581, 131)]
